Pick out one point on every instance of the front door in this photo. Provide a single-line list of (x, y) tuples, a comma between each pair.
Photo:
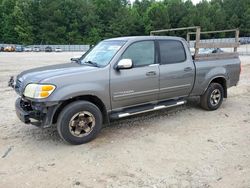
[(140, 84)]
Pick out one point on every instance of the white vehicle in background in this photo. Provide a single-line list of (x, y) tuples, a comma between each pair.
[(27, 49), (58, 49), (36, 49)]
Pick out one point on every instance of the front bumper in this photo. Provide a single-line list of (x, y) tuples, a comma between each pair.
[(21, 114), (35, 113)]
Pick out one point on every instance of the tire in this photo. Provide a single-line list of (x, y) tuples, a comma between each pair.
[(79, 122), (208, 99)]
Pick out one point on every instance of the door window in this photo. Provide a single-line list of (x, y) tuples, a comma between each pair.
[(141, 53), (171, 51)]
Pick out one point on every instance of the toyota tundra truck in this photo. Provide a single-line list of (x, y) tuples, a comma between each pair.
[(120, 77)]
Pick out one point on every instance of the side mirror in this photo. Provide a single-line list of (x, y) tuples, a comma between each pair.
[(124, 64)]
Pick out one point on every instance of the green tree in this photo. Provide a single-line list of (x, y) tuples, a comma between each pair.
[(23, 27), (8, 22), (89, 21), (157, 17)]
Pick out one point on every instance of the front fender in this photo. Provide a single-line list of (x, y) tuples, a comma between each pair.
[(81, 89)]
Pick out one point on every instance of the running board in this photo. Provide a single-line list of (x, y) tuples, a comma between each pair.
[(146, 108)]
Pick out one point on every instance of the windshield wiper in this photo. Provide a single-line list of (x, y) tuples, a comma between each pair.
[(92, 63)]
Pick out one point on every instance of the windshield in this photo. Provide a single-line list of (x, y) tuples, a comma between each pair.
[(102, 53)]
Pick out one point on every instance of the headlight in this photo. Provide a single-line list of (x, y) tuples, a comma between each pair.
[(38, 91)]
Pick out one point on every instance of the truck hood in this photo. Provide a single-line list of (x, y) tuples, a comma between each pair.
[(36, 75)]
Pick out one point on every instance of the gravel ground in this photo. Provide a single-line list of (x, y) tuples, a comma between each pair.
[(180, 147)]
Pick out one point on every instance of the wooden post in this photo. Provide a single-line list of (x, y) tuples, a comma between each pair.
[(197, 40), (188, 39), (173, 29), (237, 33)]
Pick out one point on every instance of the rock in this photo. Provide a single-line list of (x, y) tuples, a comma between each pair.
[(77, 183), (210, 140), (220, 178), (40, 168), (7, 152), (239, 167), (51, 164)]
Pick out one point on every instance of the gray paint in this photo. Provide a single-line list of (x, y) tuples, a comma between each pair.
[(206, 71), (132, 87)]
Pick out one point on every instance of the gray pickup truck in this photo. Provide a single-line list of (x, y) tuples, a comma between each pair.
[(117, 78)]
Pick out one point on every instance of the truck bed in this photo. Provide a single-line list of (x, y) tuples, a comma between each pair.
[(207, 70)]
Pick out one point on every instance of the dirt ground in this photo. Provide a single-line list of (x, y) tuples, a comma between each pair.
[(178, 147)]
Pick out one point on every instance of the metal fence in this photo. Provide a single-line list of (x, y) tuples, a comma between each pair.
[(66, 48), (244, 49)]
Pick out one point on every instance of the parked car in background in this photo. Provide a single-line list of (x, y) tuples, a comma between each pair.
[(245, 40), (36, 49), (27, 49), (48, 49), (210, 50), (58, 50), (1, 49), (217, 50), (19, 48), (9, 49)]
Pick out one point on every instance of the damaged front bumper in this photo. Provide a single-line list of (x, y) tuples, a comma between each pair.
[(31, 111), (35, 113)]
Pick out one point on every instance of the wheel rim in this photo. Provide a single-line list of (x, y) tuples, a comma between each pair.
[(82, 124), (215, 97)]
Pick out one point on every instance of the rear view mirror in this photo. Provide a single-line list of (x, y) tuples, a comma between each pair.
[(124, 64)]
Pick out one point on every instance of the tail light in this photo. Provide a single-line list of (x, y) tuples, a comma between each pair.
[(240, 67)]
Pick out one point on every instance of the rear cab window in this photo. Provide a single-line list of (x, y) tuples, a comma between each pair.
[(171, 51)]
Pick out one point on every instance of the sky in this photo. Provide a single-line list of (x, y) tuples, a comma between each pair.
[(196, 1)]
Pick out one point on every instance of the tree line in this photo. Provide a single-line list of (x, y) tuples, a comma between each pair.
[(89, 21)]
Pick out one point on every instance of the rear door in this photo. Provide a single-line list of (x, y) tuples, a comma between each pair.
[(140, 84), (176, 70)]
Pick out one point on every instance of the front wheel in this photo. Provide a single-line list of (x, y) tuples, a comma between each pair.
[(213, 97), (79, 122)]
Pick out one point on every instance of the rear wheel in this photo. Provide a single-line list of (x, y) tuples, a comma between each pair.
[(79, 122), (213, 97)]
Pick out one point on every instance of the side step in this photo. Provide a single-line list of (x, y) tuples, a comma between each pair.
[(146, 108)]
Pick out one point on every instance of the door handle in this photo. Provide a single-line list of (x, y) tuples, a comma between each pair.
[(151, 73), (187, 69)]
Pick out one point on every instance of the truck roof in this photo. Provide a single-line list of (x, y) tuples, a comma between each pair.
[(135, 38)]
